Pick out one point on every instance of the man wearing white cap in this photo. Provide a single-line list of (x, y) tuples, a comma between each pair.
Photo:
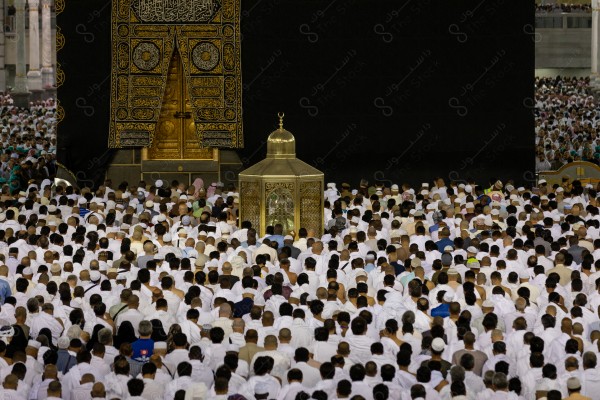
[(94, 285)]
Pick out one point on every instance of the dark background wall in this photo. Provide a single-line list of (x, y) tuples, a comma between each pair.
[(384, 90)]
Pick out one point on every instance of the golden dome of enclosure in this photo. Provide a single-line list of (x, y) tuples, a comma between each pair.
[(282, 189)]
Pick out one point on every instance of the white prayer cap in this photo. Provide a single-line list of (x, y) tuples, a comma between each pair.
[(149, 204), (161, 218), (523, 274), (495, 212), (35, 344), (449, 296), (354, 192), (542, 181), (82, 200), (331, 185), (560, 190), (438, 344), (425, 184), (202, 233), (488, 304), (52, 208), (288, 237), (27, 271), (167, 237), (361, 272), (470, 205), (160, 345), (158, 183), (395, 187), (468, 188), (573, 383), (95, 276)]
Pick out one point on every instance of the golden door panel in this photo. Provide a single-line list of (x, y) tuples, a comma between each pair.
[(176, 136)]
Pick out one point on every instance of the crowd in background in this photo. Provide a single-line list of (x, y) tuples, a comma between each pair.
[(566, 122), (563, 8), (28, 142)]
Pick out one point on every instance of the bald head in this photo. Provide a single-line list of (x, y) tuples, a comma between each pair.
[(271, 342), (87, 378), (54, 389), (285, 335), (521, 304), (11, 382), (343, 349), (50, 372), (225, 310), (98, 390), (133, 301)]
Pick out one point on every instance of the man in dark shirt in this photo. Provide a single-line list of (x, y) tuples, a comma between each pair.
[(443, 310), (144, 346), (444, 241)]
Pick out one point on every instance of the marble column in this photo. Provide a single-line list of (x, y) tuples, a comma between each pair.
[(47, 70), (595, 16), (20, 93), (34, 76), (2, 51)]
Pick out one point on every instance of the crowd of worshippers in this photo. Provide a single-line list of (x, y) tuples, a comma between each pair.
[(566, 122), (440, 291), (563, 8), (27, 143)]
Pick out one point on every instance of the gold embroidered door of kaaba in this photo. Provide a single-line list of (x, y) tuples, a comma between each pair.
[(155, 45)]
